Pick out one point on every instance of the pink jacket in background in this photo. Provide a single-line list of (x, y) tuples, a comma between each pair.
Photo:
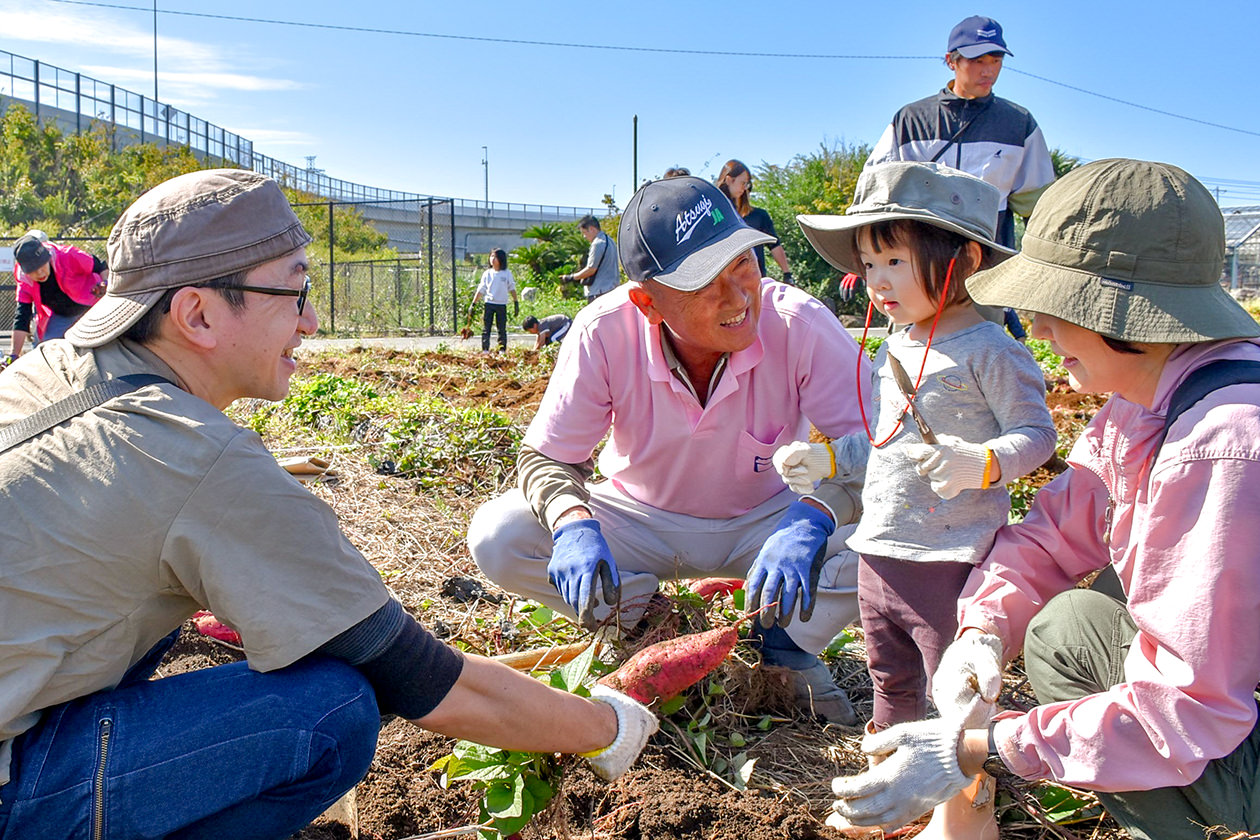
[(73, 269), (1185, 541)]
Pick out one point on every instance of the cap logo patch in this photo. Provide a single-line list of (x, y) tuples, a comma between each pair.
[(686, 222), (986, 33), (1123, 285)]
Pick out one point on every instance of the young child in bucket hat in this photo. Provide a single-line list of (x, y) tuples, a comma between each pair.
[(1154, 708), (961, 411)]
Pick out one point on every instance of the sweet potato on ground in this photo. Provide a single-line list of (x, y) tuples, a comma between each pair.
[(661, 671), (710, 588)]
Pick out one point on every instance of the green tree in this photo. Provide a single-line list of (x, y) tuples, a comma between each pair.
[(1063, 162), (819, 182), (559, 249), (354, 238)]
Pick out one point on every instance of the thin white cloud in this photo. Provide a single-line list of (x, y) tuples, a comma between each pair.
[(188, 72), (221, 81), (276, 137)]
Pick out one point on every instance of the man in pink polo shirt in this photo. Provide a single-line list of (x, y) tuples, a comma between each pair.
[(696, 370)]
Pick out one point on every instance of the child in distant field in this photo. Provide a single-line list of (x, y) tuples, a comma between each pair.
[(549, 330), (916, 231), (496, 286)]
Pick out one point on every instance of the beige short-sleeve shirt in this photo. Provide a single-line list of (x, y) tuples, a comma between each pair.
[(122, 522)]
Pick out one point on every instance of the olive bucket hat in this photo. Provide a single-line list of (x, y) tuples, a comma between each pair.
[(1129, 249), (931, 193)]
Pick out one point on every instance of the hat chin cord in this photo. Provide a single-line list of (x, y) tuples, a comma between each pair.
[(870, 310)]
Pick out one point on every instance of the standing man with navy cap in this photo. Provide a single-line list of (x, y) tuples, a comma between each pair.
[(696, 371), (965, 126)]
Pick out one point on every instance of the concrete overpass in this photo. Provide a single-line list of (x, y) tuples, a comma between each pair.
[(475, 227)]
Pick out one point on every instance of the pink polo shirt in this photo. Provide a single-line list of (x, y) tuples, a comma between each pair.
[(665, 449)]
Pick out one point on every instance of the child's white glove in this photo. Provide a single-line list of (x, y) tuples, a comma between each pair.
[(968, 680), (919, 770), (952, 465), (801, 465), (635, 724)]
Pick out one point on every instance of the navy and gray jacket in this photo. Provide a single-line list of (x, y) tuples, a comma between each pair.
[(990, 137)]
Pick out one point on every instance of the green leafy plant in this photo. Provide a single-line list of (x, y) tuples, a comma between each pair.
[(1050, 362), (328, 401), (516, 786)]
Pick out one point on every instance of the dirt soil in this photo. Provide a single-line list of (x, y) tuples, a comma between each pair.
[(416, 539)]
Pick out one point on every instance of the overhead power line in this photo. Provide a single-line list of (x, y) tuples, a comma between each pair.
[(621, 48)]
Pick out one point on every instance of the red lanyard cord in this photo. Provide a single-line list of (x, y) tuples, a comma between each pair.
[(870, 309)]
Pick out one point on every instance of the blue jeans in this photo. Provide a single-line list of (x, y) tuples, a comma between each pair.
[(217, 753), (57, 326)]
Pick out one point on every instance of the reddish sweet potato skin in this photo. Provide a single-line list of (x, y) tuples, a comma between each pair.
[(208, 625), (710, 588), (662, 671)]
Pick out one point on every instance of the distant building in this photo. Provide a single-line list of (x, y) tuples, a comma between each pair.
[(1242, 248)]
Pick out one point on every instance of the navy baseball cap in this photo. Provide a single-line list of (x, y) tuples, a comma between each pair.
[(977, 36), (682, 232)]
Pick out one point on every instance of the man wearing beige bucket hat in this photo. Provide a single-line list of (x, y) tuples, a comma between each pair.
[(1148, 699), (140, 503)]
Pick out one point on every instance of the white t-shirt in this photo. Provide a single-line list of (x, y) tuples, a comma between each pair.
[(496, 286)]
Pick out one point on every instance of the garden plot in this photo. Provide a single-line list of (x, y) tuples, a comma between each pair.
[(418, 441)]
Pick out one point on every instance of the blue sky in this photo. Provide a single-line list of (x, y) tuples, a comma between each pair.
[(412, 113)]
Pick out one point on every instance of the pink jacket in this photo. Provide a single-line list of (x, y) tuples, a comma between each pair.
[(1185, 541), (73, 269)]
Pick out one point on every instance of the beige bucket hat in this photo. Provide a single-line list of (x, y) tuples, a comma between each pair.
[(931, 193), (1128, 249)]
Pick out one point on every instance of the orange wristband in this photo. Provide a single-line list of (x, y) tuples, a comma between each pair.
[(988, 468)]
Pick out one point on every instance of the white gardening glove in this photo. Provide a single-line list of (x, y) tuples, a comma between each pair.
[(801, 464), (918, 772), (951, 464), (635, 724), (969, 679)]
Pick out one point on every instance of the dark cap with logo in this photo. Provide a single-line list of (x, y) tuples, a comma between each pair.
[(30, 253), (682, 232), (977, 36)]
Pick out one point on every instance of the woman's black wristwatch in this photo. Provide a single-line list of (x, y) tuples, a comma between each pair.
[(993, 763)]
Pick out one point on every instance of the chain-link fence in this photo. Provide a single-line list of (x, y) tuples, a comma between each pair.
[(417, 291), (413, 292)]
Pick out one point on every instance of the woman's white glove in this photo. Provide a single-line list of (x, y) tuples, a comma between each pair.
[(951, 464), (918, 772), (635, 724), (801, 465), (968, 681)]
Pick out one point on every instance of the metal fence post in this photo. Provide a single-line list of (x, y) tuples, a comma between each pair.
[(429, 259), (454, 295), (332, 272)]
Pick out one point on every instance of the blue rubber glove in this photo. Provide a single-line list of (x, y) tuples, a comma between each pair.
[(789, 564), (579, 554)]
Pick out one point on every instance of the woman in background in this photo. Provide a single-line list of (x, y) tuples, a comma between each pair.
[(735, 181)]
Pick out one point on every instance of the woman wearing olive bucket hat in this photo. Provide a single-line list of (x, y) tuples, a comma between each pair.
[(1149, 700)]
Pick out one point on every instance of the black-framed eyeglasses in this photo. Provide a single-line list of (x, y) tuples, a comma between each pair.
[(270, 290)]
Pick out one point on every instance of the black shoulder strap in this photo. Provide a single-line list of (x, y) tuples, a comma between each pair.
[(1204, 381), (73, 405)]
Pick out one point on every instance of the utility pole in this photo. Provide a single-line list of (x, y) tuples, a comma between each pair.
[(634, 185), (485, 162), (155, 87)]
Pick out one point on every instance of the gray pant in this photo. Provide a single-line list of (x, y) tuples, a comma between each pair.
[(650, 545), (1075, 647)]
